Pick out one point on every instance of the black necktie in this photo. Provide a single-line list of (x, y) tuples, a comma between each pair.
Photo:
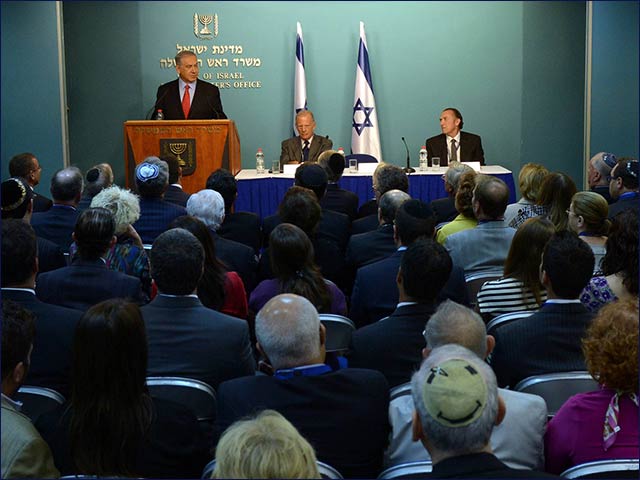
[(454, 151), (305, 151)]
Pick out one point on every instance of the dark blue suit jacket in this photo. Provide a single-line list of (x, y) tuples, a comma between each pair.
[(238, 258), (340, 200), (155, 217), (56, 224), (50, 256), (206, 102), (242, 227), (176, 196)]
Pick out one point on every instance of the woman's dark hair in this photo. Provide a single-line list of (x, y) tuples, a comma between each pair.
[(93, 232), (622, 250), (523, 260), (556, 192), (211, 285), (111, 406), (291, 255)]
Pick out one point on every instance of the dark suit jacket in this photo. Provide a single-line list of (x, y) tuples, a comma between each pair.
[(394, 344), (470, 148), (85, 283), (370, 246), (630, 203), (50, 256), (480, 465), (52, 346), (56, 224), (444, 209), (155, 217), (375, 292), (342, 414), (85, 202), (238, 258), (176, 195), (370, 207), (365, 224), (340, 200), (242, 227), (292, 149), (41, 203), (548, 341), (206, 102), (186, 339)]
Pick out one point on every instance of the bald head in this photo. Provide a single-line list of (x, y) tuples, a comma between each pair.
[(389, 204), (490, 198), (66, 185)]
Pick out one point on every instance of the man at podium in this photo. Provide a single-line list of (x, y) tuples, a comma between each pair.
[(188, 98)]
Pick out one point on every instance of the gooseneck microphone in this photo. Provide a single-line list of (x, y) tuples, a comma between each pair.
[(408, 168)]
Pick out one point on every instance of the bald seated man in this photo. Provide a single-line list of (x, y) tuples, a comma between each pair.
[(307, 146)]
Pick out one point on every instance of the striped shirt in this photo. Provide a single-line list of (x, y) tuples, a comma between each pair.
[(506, 295)]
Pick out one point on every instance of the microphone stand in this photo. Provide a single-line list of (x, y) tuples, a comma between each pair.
[(408, 168)]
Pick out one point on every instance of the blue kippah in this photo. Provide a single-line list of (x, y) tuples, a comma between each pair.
[(147, 171)]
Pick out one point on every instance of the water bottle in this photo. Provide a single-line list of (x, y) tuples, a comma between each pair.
[(159, 114), (341, 151), (424, 163), (259, 162)]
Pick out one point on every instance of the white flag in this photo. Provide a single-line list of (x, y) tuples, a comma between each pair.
[(300, 88), (365, 137)]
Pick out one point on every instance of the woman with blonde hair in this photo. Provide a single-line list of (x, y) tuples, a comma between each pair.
[(529, 182), (266, 446), (465, 219), (587, 216)]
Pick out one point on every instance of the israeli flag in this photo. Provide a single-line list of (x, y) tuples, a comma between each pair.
[(365, 137), (300, 88)]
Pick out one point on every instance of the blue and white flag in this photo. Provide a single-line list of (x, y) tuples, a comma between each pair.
[(365, 137), (300, 87)]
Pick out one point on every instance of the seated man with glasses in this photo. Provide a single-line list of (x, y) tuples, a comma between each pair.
[(623, 186)]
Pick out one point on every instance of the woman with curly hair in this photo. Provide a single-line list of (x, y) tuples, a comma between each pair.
[(465, 219), (587, 216), (601, 425), (619, 266)]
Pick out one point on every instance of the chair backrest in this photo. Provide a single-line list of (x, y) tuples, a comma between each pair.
[(622, 468), (193, 394), (400, 391), (408, 470), (208, 469), (360, 157), (326, 470), (506, 318), (38, 400), (556, 388), (474, 282), (339, 331)]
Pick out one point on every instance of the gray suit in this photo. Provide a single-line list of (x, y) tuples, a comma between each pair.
[(292, 149), (517, 441), (484, 247)]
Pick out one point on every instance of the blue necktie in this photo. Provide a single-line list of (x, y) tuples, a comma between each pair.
[(305, 151)]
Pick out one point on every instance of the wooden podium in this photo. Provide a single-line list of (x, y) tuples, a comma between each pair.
[(202, 146)]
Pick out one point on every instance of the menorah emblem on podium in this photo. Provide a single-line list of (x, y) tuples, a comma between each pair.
[(178, 149)]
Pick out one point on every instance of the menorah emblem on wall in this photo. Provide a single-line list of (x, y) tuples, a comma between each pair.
[(205, 21)]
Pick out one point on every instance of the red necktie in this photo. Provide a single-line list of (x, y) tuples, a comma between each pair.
[(186, 102)]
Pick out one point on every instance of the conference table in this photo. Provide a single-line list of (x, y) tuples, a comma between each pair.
[(262, 194)]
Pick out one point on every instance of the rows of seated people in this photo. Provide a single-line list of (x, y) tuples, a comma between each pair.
[(163, 283)]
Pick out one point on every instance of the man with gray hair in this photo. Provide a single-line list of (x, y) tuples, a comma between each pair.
[(208, 206), (310, 393), (152, 179), (517, 441), (445, 208), (457, 405), (57, 223), (599, 172)]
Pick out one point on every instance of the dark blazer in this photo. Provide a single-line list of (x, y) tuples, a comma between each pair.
[(365, 224), (370, 207), (206, 102), (370, 246), (238, 258), (375, 292), (85, 202), (85, 283), (242, 227), (340, 200), (604, 191), (444, 209), (548, 341), (480, 465), (56, 224), (470, 148), (292, 149), (343, 414), (155, 217), (50, 256), (176, 195), (394, 344), (41, 203), (52, 346), (186, 339), (629, 203)]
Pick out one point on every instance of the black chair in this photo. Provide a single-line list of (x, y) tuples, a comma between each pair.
[(38, 400), (339, 331), (506, 318), (407, 470), (193, 394), (627, 468), (556, 388), (474, 282), (325, 470)]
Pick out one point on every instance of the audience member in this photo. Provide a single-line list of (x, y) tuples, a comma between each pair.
[(57, 223), (335, 198), (96, 179), (519, 288), (111, 426), (342, 413), (484, 247), (88, 280), (51, 361), (575, 435), (217, 289), (152, 180), (186, 339), (623, 187), (445, 208), (530, 180), (385, 177), (549, 340), (517, 441), (243, 227), (26, 166), (599, 172), (463, 205), (174, 192), (24, 453), (457, 434), (394, 344), (619, 278), (208, 207), (17, 203), (306, 146), (588, 218), (266, 446)]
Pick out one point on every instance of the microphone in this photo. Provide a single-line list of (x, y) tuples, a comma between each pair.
[(155, 105), (218, 116), (408, 168)]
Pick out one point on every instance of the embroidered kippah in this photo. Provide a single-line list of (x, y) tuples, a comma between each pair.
[(147, 171), (14, 194)]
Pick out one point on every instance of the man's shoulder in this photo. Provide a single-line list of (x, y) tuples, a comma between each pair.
[(469, 136), (171, 84), (290, 141), (206, 86), (436, 138)]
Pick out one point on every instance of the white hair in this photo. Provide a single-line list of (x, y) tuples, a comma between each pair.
[(124, 205), (455, 323), (207, 206)]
